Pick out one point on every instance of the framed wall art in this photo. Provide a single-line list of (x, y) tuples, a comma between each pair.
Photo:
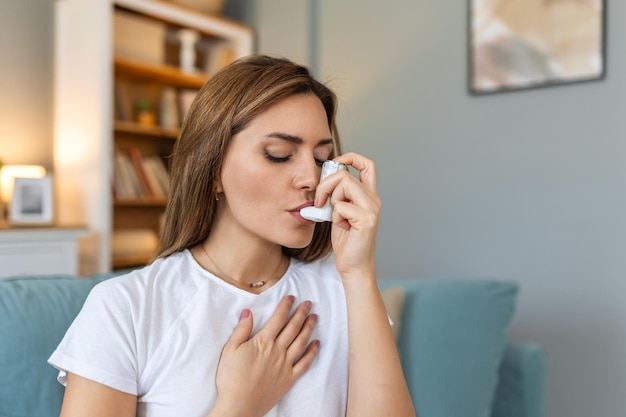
[(522, 44), (32, 201)]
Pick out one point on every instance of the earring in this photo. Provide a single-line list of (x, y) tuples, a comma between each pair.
[(217, 196)]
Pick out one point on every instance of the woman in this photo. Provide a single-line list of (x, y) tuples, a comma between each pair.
[(246, 312)]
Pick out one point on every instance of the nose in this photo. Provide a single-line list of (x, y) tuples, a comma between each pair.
[(307, 175)]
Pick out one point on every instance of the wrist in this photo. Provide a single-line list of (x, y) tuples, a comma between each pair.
[(360, 275), (360, 283), (225, 411)]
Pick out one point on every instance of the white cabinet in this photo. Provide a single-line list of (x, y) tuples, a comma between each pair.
[(39, 251)]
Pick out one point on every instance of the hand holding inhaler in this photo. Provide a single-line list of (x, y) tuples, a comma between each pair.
[(323, 214)]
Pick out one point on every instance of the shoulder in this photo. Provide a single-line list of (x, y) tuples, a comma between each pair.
[(143, 304), (168, 279)]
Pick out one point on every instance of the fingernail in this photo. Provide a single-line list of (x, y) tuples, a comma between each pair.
[(308, 304), (317, 343), (314, 318), (292, 298), (244, 314)]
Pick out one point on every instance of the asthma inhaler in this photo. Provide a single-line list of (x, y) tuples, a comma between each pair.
[(324, 213)]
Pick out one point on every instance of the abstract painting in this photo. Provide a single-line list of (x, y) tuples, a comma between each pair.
[(521, 44)]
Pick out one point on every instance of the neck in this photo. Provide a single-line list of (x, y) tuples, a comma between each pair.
[(236, 255), (253, 269)]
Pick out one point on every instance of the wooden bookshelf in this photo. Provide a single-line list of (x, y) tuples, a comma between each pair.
[(98, 86)]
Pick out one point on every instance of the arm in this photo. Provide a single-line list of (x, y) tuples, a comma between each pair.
[(376, 384), (84, 397)]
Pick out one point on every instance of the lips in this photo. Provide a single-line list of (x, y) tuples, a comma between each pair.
[(307, 204), (296, 213)]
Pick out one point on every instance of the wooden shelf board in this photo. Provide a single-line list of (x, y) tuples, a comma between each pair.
[(166, 74), (138, 129), (140, 202)]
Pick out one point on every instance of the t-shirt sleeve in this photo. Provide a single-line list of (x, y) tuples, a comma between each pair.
[(100, 345)]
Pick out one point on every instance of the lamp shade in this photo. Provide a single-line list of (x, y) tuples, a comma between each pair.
[(8, 173)]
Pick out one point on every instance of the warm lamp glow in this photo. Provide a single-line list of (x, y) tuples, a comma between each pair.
[(8, 173)]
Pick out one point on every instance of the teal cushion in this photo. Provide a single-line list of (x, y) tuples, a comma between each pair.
[(521, 389), (35, 313), (452, 340)]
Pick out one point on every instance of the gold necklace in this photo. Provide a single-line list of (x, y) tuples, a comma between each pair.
[(255, 284)]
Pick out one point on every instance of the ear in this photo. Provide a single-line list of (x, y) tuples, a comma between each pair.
[(217, 187)]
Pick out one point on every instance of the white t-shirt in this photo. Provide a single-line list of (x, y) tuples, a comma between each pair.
[(158, 332)]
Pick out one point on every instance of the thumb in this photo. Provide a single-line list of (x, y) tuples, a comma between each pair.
[(243, 330)]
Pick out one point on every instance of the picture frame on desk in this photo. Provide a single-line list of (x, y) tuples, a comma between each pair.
[(32, 202)]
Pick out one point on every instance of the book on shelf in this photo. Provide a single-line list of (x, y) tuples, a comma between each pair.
[(138, 176), (157, 170), (125, 181), (138, 163), (122, 101)]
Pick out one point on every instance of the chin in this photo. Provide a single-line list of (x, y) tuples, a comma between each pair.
[(298, 242)]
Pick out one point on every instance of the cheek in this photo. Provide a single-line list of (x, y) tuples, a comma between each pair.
[(246, 186)]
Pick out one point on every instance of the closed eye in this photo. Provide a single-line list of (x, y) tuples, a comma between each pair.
[(280, 159), (277, 159)]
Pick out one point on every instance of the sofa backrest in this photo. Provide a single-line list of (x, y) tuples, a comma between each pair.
[(35, 312), (452, 338), (453, 334)]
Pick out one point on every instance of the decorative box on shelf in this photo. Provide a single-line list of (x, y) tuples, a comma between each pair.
[(39, 250)]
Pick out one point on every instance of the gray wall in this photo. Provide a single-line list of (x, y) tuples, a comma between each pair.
[(26, 54), (526, 186)]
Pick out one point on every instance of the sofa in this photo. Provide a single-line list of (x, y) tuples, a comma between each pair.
[(451, 335)]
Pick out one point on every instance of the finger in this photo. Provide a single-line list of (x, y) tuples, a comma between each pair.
[(276, 323), (305, 361), (365, 166), (350, 217), (299, 344), (326, 187), (242, 331), (352, 203), (344, 187), (293, 327), (352, 191)]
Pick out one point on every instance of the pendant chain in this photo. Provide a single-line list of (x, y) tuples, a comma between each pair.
[(255, 284)]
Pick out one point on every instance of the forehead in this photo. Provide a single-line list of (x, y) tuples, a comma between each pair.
[(303, 112), (298, 119)]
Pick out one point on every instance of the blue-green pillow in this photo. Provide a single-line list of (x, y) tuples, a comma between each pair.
[(35, 313), (453, 336)]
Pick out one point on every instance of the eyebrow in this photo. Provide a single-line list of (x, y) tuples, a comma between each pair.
[(296, 139)]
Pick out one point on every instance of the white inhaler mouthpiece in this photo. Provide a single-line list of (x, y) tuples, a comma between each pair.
[(323, 214)]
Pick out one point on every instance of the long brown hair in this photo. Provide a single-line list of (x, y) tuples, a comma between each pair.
[(224, 106)]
